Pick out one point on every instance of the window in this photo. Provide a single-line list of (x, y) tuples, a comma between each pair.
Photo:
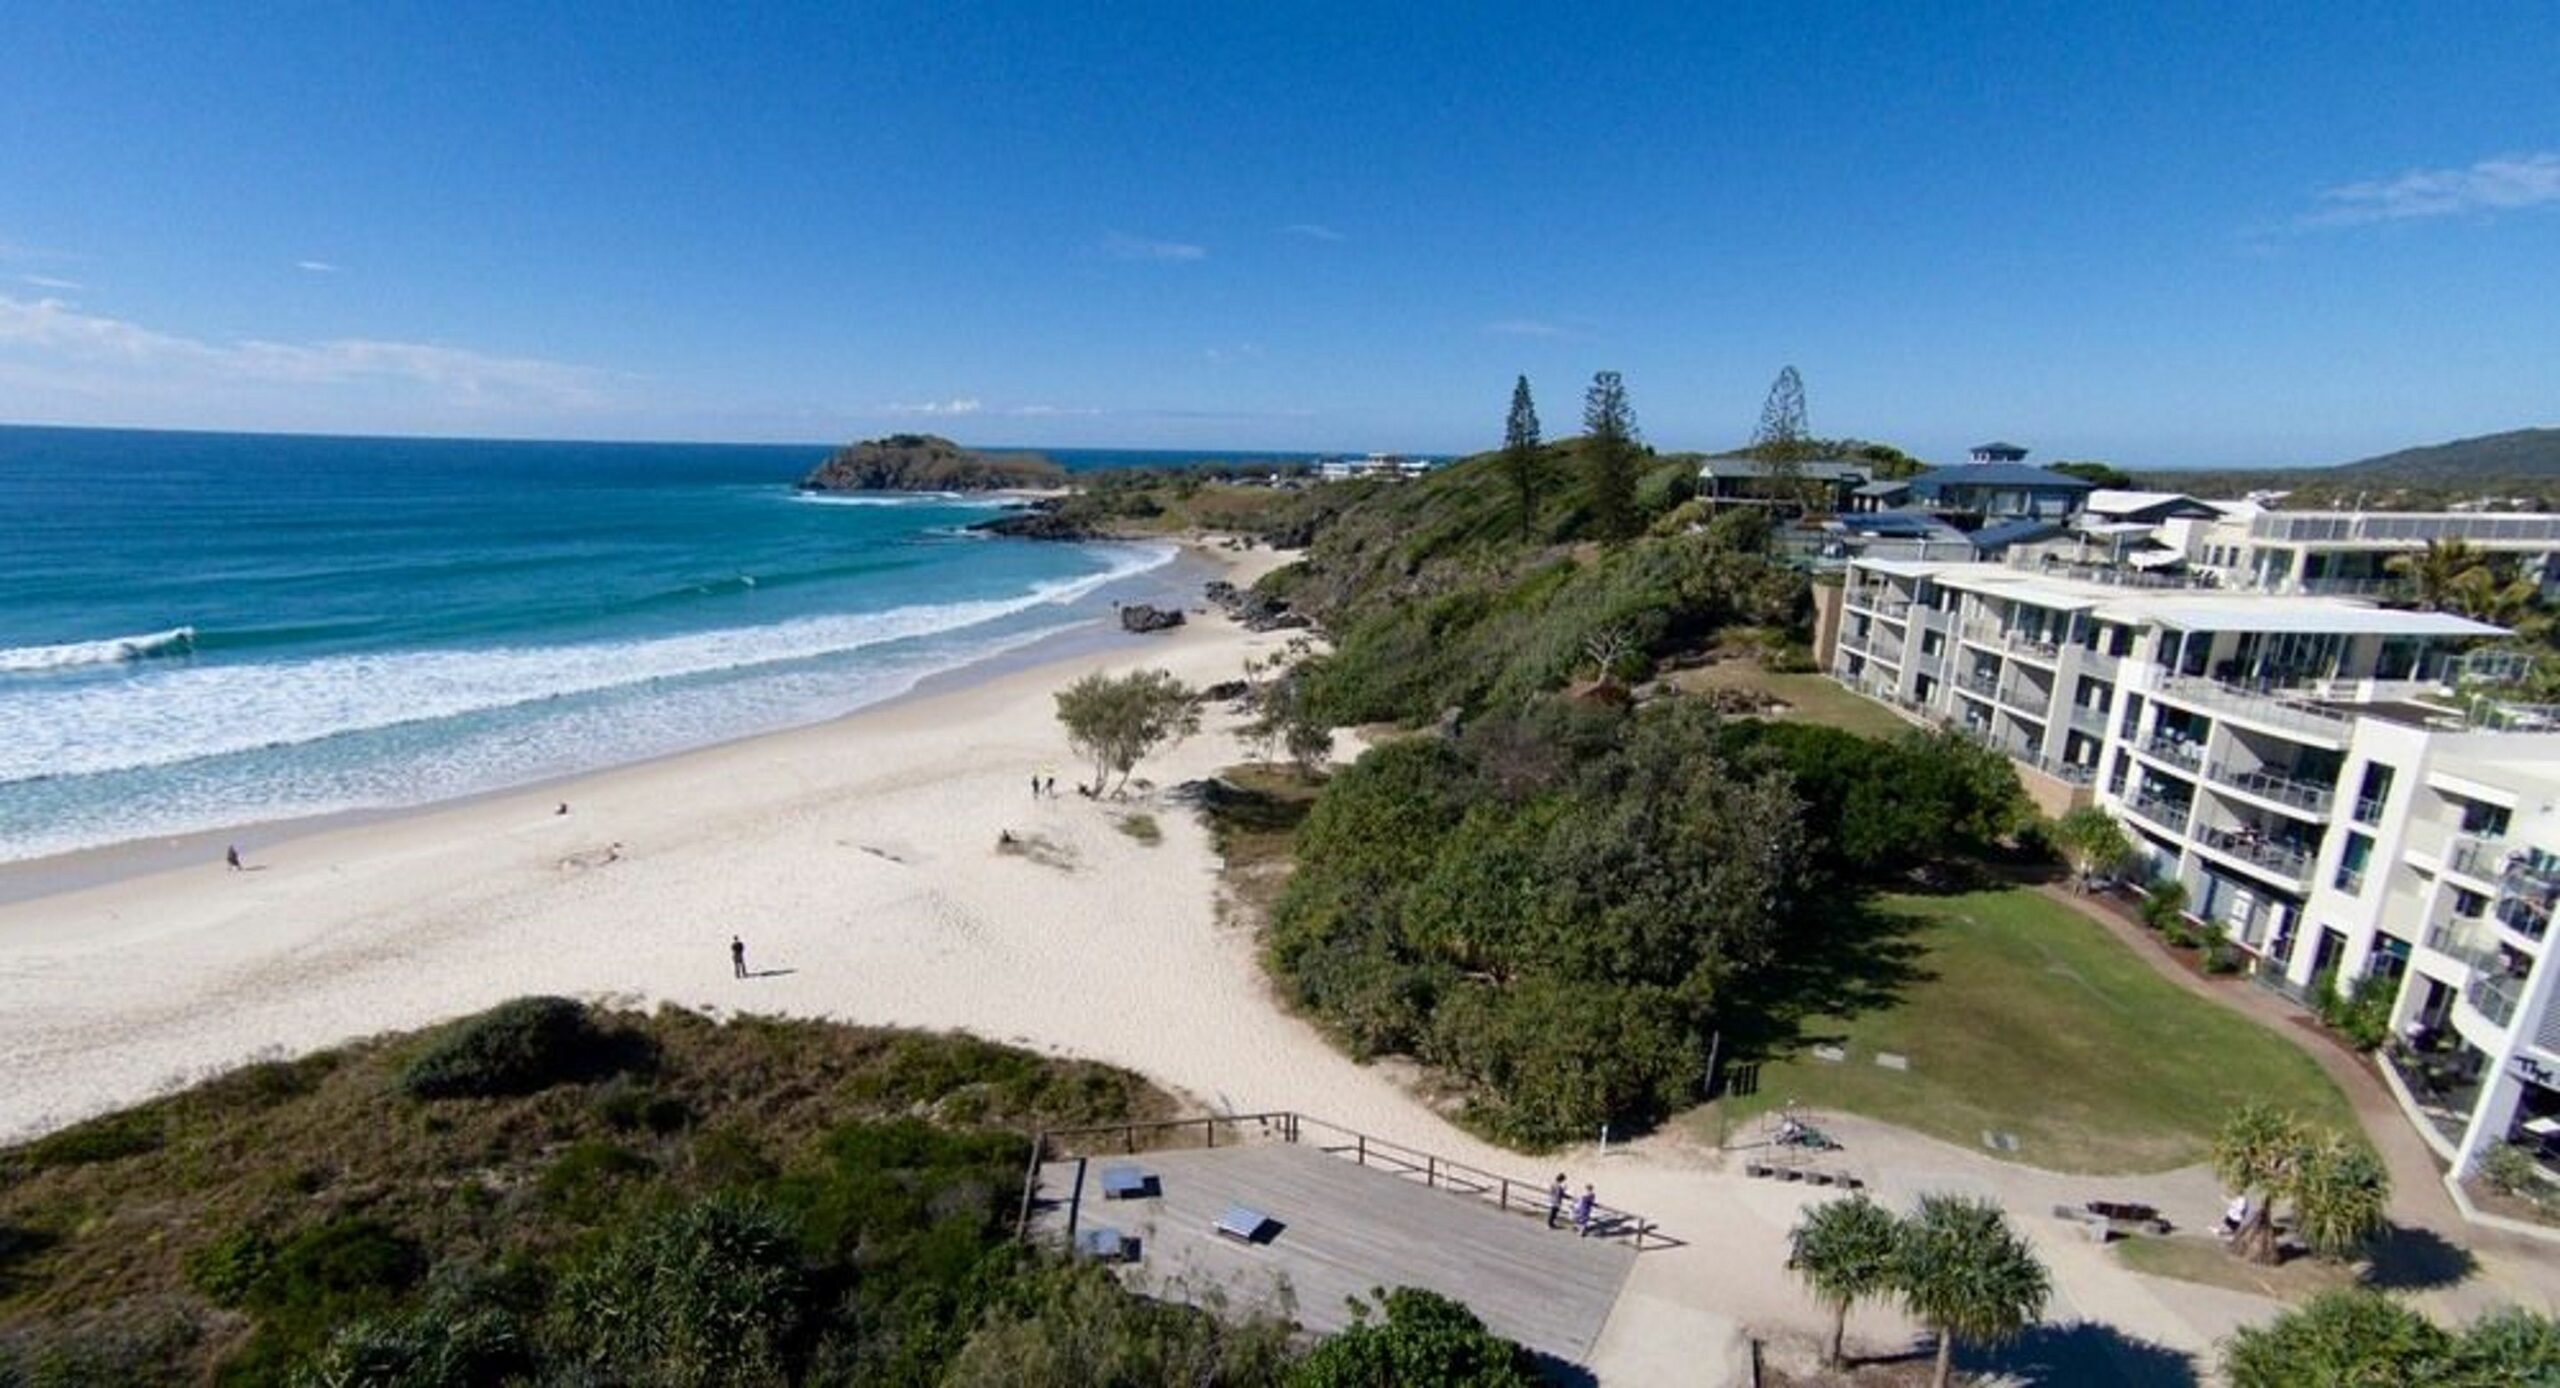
[(2375, 790), (2483, 820), (2351, 863), (2469, 905)]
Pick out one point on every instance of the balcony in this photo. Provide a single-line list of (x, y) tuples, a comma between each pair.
[(2369, 810), (2494, 996), (2092, 721), (2476, 856), (2455, 941), (2272, 710), (1988, 686), (2163, 811), (2525, 917), (2286, 860), (2176, 750), (2310, 797), (2027, 699)]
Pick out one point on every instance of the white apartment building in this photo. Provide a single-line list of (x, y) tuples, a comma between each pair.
[(2350, 552), (2299, 763)]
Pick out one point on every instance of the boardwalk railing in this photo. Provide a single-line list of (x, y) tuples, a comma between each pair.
[(1430, 1170)]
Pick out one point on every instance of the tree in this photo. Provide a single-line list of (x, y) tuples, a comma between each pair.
[(2101, 474), (2341, 1196), (1782, 443), (1609, 455), (1965, 1273), (2350, 1336), (2093, 842), (2339, 1189), (2254, 1154), (1118, 721), (1845, 1251), (1422, 1338), (1520, 452), (1289, 721), (2435, 574)]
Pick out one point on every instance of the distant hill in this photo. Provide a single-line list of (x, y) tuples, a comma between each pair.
[(2520, 464), (928, 463)]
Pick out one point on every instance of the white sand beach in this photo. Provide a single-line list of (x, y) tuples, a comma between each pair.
[(859, 862)]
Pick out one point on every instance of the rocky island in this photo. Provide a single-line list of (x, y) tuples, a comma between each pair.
[(929, 463)]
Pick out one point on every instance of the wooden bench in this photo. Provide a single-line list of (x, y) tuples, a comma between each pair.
[(2102, 1220), (1242, 1223)]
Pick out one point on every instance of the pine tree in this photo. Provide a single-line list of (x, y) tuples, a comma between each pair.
[(1609, 455), (1520, 452), (1781, 443)]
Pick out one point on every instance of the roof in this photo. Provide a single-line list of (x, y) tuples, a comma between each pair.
[(1935, 480), (2309, 616), (1997, 447), (2113, 502), (1886, 486), (1818, 469), (2016, 532), (1908, 524)]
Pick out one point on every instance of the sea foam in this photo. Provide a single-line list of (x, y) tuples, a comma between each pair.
[(113, 650), (168, 717)]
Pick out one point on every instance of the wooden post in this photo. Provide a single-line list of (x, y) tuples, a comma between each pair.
[(1430, 1171), (1075, 1205), (1209, 1129), (1506, 1195), (1362, 1147)]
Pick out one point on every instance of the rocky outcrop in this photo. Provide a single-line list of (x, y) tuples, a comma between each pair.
[(1140, 616), (1252, 610), (1041, 520), (928, 463)]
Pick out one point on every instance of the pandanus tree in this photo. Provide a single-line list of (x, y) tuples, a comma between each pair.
[(1844, 1251), (1966, 1274)]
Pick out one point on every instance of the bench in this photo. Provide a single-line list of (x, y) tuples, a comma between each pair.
[(1809, 1175), (1121, 1181), (2095, 1221), (1104, 1244), (1242, 1223)]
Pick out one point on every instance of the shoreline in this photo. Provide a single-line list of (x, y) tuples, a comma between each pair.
[(1195, 561)]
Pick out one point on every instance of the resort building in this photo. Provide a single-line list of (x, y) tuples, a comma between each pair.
[(2350, 552), (1827, 484), (1389, 467), (2299, 763)]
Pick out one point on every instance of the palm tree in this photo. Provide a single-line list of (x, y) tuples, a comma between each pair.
[(2255, 1154), (2340, 1194), (1844, 1251), (2434, 572), (1964, 1272)]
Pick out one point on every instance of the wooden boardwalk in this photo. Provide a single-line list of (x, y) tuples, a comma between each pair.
[(1341, 1230)]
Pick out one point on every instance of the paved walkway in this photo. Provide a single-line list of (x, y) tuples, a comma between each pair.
[(2512, 1269)]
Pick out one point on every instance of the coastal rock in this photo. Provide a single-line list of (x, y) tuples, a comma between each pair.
[(1254, 611), (1041, 520), (1139, 616), (1225, 690), (928, 463)]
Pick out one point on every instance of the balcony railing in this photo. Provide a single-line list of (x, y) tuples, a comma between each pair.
[(2089, 720), (2284, 790), (2275, 710), (2476, 856), (2453, 940), (2271, 854), (2524, 916), (2026, 697), (2163, 811), (2495, 997), (2180, 751), (1987, 686), (2369, 810)]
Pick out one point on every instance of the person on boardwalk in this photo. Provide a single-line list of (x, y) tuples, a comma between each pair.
[(738, 956), (1582, 1212), (1555, 1199), (231, 855)]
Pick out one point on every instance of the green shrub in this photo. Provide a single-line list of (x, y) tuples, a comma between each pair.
[(583, 1182), (1141, 827), (445, 1344), (1421, 1338), (517, 1047), (2506, 1169), (230, 1269), (2164, 905), (111, 1138), (707, 1294)]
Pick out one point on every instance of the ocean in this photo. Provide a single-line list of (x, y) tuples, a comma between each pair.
[(200, 631)]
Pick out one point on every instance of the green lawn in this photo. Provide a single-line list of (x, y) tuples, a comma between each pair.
[(1812, 698), (2028, 1019)]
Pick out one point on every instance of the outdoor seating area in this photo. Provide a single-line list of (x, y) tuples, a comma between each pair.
[(2104, 1220), (1124, 1181)]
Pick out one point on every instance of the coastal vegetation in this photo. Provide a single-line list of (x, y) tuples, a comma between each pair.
[(549, 1193), (1117, 720), (928, 463), (2359, 1336), (2337, 1188)]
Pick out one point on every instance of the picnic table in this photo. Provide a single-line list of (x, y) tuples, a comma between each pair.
[(1243, 1223), (1126, 1181)]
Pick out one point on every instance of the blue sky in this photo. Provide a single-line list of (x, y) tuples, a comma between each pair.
[(2163, 235)]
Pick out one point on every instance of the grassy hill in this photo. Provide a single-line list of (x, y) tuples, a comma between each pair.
[(2518, 463)]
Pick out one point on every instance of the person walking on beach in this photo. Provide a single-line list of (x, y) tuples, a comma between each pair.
[(738, 956), (1555, 1199), (1582, 1212), (231, 855)]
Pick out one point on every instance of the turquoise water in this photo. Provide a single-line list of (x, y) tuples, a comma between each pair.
[(205, 630)]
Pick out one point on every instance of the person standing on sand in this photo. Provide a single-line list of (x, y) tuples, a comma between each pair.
[(231, 855), (1582, 1212), (738, 956), (1555, 1199)]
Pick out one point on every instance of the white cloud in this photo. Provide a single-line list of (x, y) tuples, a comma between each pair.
[(1050, 411), (1525, 327), (317, 267), (1122, 246), (50, 282), (52, 329), (2492, 185), (1314, 231), (959, 404)]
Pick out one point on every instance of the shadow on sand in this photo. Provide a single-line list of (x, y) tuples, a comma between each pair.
[(2414, 1260)]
